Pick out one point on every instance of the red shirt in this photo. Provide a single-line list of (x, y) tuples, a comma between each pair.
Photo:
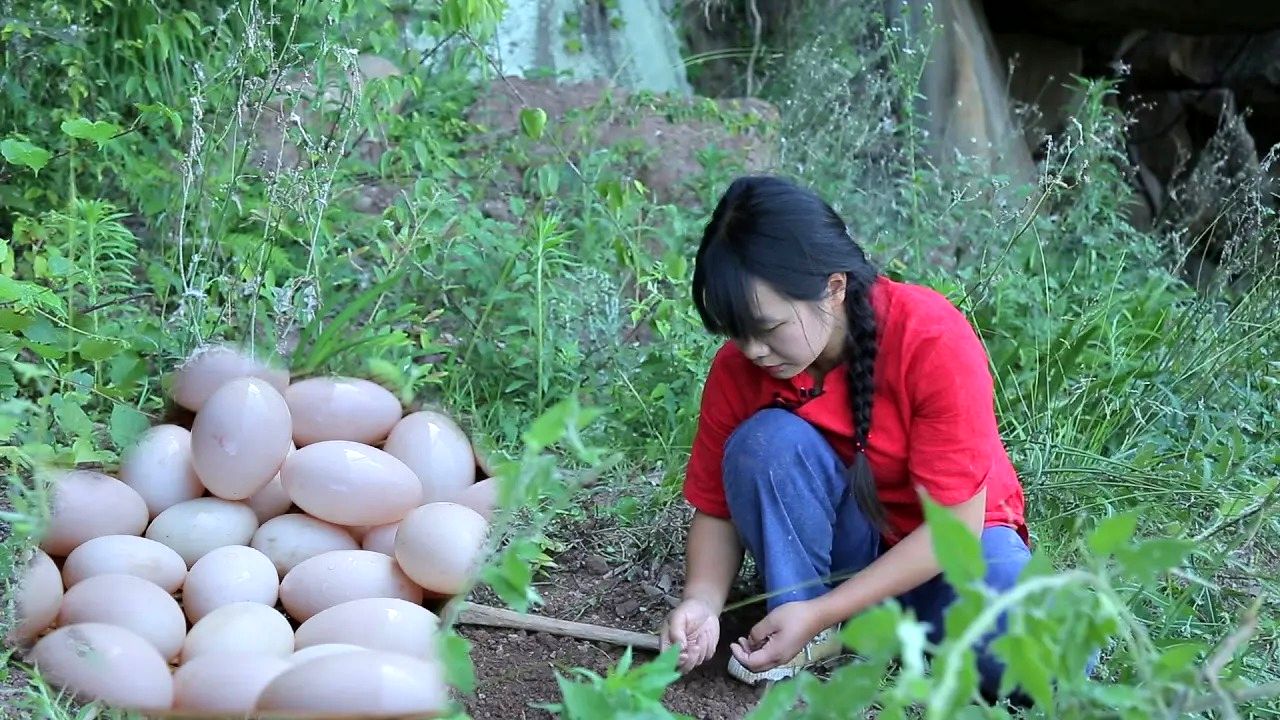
[(933, 423)]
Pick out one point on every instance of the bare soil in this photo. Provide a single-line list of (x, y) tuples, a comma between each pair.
[(516, 670)]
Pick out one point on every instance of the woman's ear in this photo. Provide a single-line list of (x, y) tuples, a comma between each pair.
[(837, 283)]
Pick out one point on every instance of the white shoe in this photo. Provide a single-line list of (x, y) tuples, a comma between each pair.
[(824, 646)]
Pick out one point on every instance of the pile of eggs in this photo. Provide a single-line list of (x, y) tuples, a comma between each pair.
[(280, 555)]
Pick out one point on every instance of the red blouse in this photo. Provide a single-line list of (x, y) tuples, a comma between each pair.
[(933, 423)]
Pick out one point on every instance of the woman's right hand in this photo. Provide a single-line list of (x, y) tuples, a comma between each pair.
[(695, 626)]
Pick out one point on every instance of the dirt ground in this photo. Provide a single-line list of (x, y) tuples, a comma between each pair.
[(515, 670)]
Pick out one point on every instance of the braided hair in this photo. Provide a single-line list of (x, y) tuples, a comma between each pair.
[(772, 229)]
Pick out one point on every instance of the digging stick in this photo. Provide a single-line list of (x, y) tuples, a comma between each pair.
[(473, 614)]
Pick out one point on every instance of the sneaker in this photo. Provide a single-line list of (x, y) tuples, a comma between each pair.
[(823, 647)]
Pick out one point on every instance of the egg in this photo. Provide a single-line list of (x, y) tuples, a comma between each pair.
[(315, 651), (481, 497), (211, 367), (340, 408), (37, 599), (336, 577), (242, 627), (436, 450), (439, 546), (127, 555), (271, 501), (131, 603), (365, 683), (290, 539), (159, 468), (240, 438), (195, 527), (103, 662), (349, 483), (225, 682), (229, 575), (388, 624), (381, 539), (88, 504)]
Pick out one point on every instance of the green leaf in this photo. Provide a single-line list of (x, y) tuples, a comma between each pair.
[(874, 632), (21, 152), (1024, 665), (99, 131), (163, 111), (533, 121), (127, 425), (779, 700), (1112, 533), (551, 426), (455, 653), (1153, 557), (71, 418), (94, 349), (958, 549)]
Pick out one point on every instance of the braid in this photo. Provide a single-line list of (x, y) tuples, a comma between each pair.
[(860, 356)]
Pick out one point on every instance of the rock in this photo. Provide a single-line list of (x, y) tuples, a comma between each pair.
[(1090, 19), (632, 42), (300, 103), (597, 565), (627, 609), (670, 136)]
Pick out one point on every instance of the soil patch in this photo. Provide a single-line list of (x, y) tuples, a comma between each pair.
[(516, 670)]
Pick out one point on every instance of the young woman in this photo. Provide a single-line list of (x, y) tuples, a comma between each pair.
[(840, 398)]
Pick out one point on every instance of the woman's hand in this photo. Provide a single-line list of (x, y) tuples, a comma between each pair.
[(779, 636), (695, 626)]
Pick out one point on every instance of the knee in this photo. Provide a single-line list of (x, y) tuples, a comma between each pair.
[(764, 438)]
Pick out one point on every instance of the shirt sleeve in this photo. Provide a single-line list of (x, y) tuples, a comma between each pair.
[(953, 432), (717, 418)]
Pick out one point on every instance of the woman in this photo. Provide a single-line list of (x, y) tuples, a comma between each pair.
[(840, 397)]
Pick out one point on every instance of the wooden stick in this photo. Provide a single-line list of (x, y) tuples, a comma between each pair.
[(473, 614)]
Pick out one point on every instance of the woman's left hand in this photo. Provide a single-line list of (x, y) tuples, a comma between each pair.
[(779, 636)]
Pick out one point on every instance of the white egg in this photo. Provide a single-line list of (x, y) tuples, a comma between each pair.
[(315, 651), (271, 501), (290, 539), (440, 546), (88, 504), (243, 627), (159, 468), (436, 450), (95, 661), (38, 599), (229, 575), (195, 527), (340, 683), (386, 624), (127, 555), (336, 577), (128, 602), (341, 408), (349, 483), (240, 438), (212, 366), (381, 539), (225, 682)]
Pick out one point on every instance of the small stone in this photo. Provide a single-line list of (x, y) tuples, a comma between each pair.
[(652, 592), (664, 582), (597, 564), (627, 609)]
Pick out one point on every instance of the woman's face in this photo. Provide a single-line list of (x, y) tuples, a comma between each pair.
[(795, 333)]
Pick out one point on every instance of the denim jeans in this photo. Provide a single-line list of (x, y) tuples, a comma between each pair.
[(788, 496)]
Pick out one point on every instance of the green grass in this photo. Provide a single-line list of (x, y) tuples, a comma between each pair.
[(1120, 388)]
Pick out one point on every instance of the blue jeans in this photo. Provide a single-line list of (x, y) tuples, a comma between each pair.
[(787, 493)]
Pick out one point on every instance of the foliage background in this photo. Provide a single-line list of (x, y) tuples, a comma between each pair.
[(185, 174)]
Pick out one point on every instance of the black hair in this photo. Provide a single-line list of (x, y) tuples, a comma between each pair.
[(785, 235)]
